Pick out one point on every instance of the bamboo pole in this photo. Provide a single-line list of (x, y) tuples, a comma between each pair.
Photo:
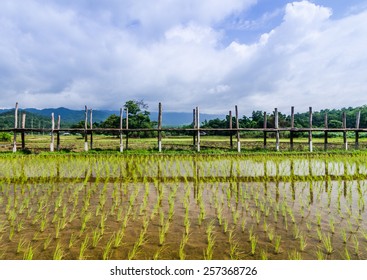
[(160, 127), (127, 128), (58, 133), (326, 132), (52, 132), (15, 128), (121, 142), (194, 126), (265, 127), (230, 132), (345, 141), (238, 131), (358, 118), (23, 132), (91, 128), (276, 126), (85, 129), (310, 132), (292, 127), (198, 129)]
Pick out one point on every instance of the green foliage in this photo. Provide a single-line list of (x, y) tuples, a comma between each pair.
[(5, 137)]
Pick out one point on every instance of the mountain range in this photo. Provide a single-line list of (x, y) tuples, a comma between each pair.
[(169, 119)]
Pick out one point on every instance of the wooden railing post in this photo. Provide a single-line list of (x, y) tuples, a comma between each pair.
[(85, 130), (358, 117), (121, 142), (15, 128), (238, 130), (160, 127), (292, 127), (310, 131), (276, 126)]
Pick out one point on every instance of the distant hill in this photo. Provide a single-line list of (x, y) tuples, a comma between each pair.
[(69, 117), (32, 120)]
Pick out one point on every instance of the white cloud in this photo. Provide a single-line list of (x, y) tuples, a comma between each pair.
[(102, 53)]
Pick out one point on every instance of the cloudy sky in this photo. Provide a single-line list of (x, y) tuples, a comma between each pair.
[(258, 54)]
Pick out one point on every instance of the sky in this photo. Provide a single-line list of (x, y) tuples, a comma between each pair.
[(215, 54)]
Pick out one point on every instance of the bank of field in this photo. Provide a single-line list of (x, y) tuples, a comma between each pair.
[(183, 206), (38, 143)]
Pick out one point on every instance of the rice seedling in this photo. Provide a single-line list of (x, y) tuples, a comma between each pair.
[(107, 251), (356, 245), (234, 252), (277, 242), (21, 245), (302, 242), (294, 255), (320, 255), (83, 247), (253, 242), (72, 240), (47, 242), (243, 224), (346, 254), (58, 253), (28, 254), (183, 242), (328, 246)]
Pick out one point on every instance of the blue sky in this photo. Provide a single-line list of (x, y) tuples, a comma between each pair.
[(209, 53)]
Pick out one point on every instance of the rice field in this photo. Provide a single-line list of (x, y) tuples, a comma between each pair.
[(183, 207)]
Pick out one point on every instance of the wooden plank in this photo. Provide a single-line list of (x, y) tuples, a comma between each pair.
[(159, 127), (121, 142), (238, 132), (15, 128), (276, 126), (310, 146)]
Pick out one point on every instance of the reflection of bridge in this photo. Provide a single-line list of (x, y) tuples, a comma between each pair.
[(196, 131)]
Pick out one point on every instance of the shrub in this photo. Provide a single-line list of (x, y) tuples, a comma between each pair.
[(5, 137)]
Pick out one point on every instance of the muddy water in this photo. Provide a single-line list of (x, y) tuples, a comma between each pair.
[(229, 202)]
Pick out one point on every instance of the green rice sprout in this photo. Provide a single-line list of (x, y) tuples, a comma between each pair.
[(47, 242), (58, 253), (107, 251), (294, 255), (346, 254), (263, 254), (83, 247), (28, 254), (21, 244), (320, 255), (356, 245), (277, 242), (302, 242), (253, 242), (328, 246)]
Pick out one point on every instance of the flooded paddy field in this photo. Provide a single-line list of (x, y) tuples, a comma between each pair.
[(183, 207)]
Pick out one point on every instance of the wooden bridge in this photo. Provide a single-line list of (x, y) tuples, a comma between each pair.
[(234, 130)]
